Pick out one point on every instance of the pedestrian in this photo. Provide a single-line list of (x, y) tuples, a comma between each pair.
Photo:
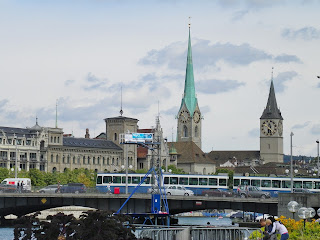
[(283, 231), (21, 187), (269, 227), (247, 191), (109, 188), (263, 224), (59, 187), (238, 190), (18, 187)]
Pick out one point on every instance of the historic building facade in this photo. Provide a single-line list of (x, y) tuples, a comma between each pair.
[(271, 130), (189, 115), (48, 150)]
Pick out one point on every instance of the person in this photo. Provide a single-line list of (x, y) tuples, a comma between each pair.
[(238, 191), (109, 188), (263, 229), (18, 187), (21, 187), (269, 227), (247, 191), (59, 187), (278, 225)]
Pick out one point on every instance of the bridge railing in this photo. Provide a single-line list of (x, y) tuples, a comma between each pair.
[(199, 233)]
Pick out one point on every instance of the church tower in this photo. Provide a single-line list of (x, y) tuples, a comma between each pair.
[(189, 115), (271, 129)]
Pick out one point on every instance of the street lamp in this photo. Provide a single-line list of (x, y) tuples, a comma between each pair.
[(291, 168), (318, 155), (293, 207), (16, 160), (304, 213)]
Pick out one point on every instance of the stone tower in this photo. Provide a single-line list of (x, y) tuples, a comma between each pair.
[(189, 115), (271, 130)]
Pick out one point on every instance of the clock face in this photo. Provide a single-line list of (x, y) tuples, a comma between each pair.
[(268, 127), (196, 117), (280, 128), (184, 116)]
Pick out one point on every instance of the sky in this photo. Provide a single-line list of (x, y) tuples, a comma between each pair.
[(80, 53)]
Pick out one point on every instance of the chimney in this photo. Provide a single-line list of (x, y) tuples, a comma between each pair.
[(87, 133)]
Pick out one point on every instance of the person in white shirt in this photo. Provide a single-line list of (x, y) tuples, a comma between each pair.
[(277, 225)]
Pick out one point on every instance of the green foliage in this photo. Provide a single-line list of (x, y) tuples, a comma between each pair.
[(4, 173), (103, 225), (141, 171), (230, 175), (39, 178), (175, 170)]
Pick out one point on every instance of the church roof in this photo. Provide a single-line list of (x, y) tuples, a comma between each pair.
[(224, 156), (189, 96), (189, 152), (89, 143), (271, 111)]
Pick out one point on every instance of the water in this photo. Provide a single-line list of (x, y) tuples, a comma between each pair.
[(202, 221), (6, 234)]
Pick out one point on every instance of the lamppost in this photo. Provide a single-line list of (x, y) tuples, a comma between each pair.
[(304, 213), (293, 207), (16, 160), (291, 168), (318, 156)]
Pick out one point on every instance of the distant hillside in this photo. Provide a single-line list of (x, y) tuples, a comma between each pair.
[(286, 158)]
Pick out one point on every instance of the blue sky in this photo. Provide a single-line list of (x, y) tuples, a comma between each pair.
[(82, 52)]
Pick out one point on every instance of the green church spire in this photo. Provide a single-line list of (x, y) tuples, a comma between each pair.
[(189, 96)]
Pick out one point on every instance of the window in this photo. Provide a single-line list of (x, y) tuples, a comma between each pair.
[(108, 162), (51, 139), (68, 159), (307, 184), (63, 159), (203, 181), (52, 158), (141, 165), (135, 180), (55, 139), (193, 181), (316, 185), (98, 160), (116, 179), (286, 184), (54, 170), (196, 131), (112, 161), (74, 160), (173, 180), (265, 183), (84, 160), (58, 139), (222, 182), (185, 131), (236, 182), (115, 136), (166, 180), (183, 181), (124, 179), (255, 182), (245, 182), (103, 160), (213, 181), (57, 158), (297, 184), (107, 179), (99, 180), (88, 160), (147, 180), (276, 183), (93, 160)]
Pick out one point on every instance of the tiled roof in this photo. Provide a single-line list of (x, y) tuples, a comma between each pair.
[(271, 111), (89, 143), (19, 132), (189, 152), (223, 156)]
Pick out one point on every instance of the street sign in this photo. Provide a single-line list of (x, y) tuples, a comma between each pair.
[(138, 137)]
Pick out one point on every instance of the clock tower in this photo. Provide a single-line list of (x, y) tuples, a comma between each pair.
[(189, 115), (271, 130)]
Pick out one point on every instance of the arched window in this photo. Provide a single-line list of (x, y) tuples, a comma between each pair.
[(65, 169), (74, 160), (84, 160), (63, 159), (204, 171), (196, 131), (104, 161), (68, 159), (54, 170), (94, 160), (58, 139), (117, 162), (57, 158), (78, 160), (88, 160), (112, 161), (52, 158), (55, 139), (51, 139), (108, 161), (98, 160), (185, 131), (115, 136)]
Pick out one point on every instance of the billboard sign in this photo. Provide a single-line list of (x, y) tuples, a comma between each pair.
[(138, 137)]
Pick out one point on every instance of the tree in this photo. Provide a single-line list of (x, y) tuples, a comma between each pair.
[(175, 170), (4, 173), (93, 225)]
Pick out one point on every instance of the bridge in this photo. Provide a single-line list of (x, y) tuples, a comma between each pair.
[(21, 204)]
